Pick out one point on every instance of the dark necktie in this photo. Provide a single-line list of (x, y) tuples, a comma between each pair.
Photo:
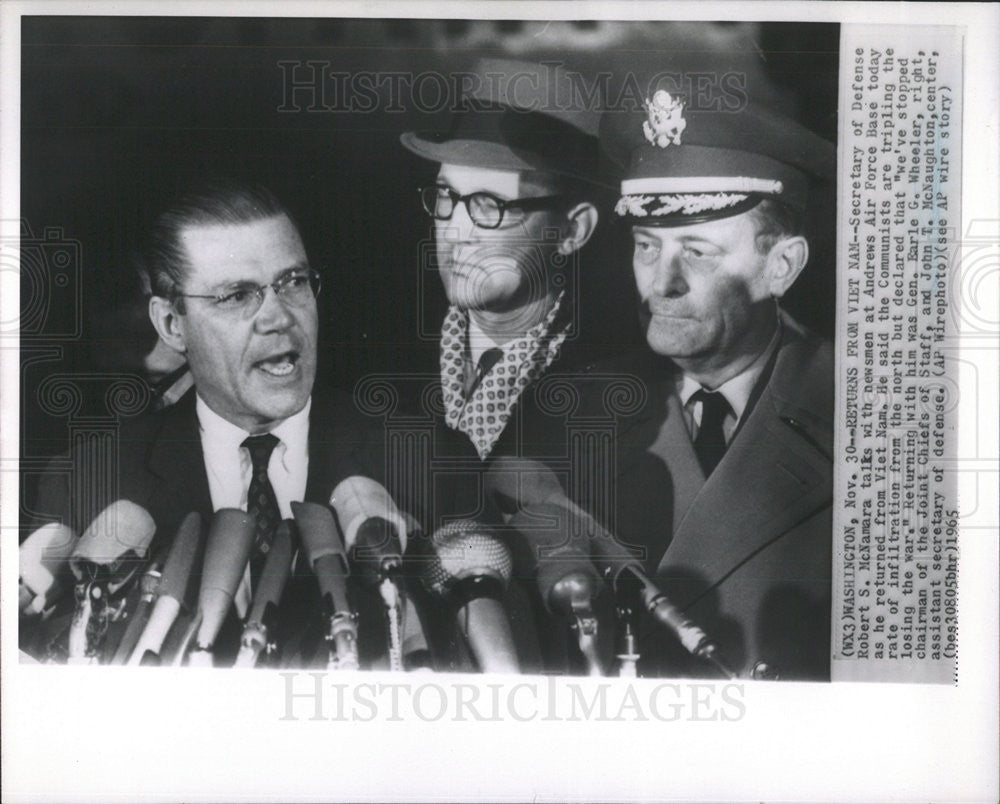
[(262, 505), (710, 444), (487, 360)]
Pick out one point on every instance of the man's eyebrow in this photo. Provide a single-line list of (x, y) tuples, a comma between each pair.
[(481, 190), (693, 238), (225, 284), (639, 230), (300, 267)]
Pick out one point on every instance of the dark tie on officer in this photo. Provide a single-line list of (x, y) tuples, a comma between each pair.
[(710, 443)]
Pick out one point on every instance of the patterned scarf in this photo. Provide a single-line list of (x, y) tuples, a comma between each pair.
[(483, 416)]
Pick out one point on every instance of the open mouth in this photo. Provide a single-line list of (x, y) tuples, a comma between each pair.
[(279, 365)]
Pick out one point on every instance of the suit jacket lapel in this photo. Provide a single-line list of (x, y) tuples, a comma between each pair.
[(657, 462), (175, 457), (673, 445), (341, 444)]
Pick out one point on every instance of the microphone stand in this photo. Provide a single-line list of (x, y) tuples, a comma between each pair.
[(255, 640), (628, 655), (690, 635), (341, 637), (95, 611), (392, 596), (585, 626), (572, 595)]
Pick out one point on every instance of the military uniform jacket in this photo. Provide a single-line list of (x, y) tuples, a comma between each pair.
[(747, 553)]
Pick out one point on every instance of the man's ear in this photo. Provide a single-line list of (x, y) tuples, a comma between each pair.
[(582, 222), (785, 262), (168, 323)]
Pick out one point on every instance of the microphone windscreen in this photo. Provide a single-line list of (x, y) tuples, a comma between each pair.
[(43, 555), (275, 572), (465, 549), (325, 551), (181, 558), (516, 482), (520, 483), (358, 499), (122, 528), (318, 531), (559, 544), (230, 540), (612, 558)]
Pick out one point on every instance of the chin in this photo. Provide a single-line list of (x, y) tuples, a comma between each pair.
[(282, 403), (467, 298), (669, 344)]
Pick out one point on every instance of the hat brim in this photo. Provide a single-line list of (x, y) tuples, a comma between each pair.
[(468, 153), (492, 156), (681, 210)]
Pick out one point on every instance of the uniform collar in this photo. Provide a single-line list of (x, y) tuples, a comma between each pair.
[(737, 390)]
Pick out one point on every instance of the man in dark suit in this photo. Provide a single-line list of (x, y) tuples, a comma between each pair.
[(724, 480), (234, 294), (514, 202)]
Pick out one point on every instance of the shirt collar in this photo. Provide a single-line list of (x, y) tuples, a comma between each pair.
[(738, 389), (479, 341), (222, 434)]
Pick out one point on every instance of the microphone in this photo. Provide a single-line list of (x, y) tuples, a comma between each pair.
[(625, 573), (170, 591), (516, 483), (472, 567), (105, 558), (227, 551), (114, 546), (42, 560), (373, 527), (263, 613), (415, 648), (375, 534), (148, 585), (325, 552), (566, 578)]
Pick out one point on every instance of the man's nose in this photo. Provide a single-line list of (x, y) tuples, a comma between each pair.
[(460, 228), (669, 280), (273, 313)]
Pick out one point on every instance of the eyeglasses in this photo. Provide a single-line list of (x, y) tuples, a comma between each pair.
[(485, 209), (296, 289)]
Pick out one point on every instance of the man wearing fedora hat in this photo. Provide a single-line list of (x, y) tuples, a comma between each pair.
[(724, 480), (514, 202)]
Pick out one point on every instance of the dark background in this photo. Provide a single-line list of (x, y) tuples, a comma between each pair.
[(117, 113)]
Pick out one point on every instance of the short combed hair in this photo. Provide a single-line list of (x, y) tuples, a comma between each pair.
[(775, 221), (160, 259), (574, 191)]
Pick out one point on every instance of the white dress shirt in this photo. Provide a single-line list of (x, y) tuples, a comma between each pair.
[(230, 469), (736, 390), (480, 342)]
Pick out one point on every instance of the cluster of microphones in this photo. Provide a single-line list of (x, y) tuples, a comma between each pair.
[(360, 535)]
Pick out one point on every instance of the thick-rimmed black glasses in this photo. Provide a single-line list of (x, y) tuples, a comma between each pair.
[(485, 209), (296, 289)]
